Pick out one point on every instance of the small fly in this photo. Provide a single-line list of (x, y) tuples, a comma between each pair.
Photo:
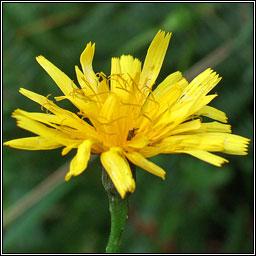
[(131, 133)]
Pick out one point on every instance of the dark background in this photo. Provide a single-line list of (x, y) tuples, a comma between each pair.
[(199, 208)]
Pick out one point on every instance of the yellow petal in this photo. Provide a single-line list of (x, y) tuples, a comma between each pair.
[(200, 86), (137, 159), (116, 80), (170, 119), (150, 151), (88, 107), (186, 127), (35, 127), (205, 141), (158, 103), (66, 85), (137, 142), (80, 161), (110, 120), (169, 97), (61, 115), (200, 103), (130, 67), (125, 73), (212, 127), (119, 171), (213, 113), (154, 59), (179, 113), (207, 157), (235, 144), (68, 148), (168, 83), (84, 83), (89, 89), (208, 141), (231, 143), (86, 62), (34, 96), (48, 119), (110, 107), (33, 143), (103, 90)]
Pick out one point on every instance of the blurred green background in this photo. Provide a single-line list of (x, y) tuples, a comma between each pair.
[(199, 208)]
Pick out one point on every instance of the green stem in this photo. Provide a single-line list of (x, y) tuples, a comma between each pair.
[(118, 208), (119, 214)]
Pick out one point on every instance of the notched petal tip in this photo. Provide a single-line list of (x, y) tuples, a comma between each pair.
[(40, 59), (163, 33), (246, 145)]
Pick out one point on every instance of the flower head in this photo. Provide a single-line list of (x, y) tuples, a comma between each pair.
[(123, 119)]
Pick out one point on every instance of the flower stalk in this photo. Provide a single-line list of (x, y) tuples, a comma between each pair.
[(118, 208)]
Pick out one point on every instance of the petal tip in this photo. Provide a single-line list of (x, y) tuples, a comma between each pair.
[(39, 58), (6, 143), (122, 194), (22, 91), (68, 177)]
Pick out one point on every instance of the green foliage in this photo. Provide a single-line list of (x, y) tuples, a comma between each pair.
[(198, 208)]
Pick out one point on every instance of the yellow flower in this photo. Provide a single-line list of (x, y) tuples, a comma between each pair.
[(128, 121)]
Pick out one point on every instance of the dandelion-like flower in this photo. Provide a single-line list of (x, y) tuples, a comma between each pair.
[(124, 120)]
